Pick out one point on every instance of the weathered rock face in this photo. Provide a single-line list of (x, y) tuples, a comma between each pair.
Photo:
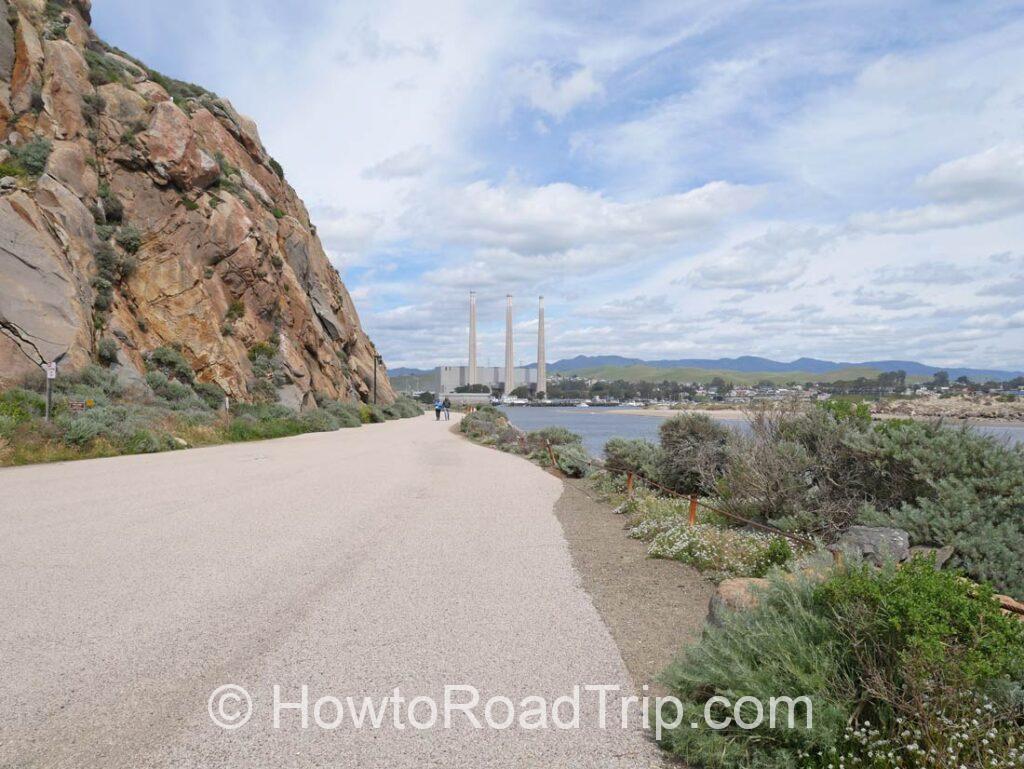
[(215, 252)]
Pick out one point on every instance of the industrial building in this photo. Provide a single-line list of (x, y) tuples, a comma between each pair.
[(448, 378)]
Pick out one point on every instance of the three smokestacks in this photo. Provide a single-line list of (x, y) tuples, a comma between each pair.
[(510, 364)]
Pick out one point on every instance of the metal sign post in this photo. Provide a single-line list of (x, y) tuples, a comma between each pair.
[(51, 374), (377, 358)]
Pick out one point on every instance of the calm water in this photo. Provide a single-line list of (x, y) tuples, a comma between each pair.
[(597, 425)]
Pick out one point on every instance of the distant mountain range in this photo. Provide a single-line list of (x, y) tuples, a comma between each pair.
[(754, 364)]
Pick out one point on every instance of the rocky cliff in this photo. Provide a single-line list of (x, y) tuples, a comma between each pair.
[(139, 212)]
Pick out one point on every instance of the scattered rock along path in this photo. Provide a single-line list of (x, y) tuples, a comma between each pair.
[(353, 562)]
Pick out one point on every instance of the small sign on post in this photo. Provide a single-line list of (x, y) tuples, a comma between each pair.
[(51, 374)]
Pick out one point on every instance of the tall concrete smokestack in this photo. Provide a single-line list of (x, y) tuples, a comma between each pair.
[(510, 365), (471, 377), (542, 366)]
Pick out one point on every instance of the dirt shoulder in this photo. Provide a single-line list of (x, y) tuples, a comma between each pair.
[(652, 607)]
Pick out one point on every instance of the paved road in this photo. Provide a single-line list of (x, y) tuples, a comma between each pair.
[(396, 555)]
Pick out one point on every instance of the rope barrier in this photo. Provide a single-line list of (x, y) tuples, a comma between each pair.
[(694, 500)]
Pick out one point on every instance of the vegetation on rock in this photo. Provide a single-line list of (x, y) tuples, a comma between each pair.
[(171, 411)]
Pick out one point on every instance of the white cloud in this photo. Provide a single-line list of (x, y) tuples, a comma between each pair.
[(887, 300), (980, 187), (347, 235), (925, 273), (767, 262), (994, 174), (539, 87), (406, 164), (903, 113), (561, 217)]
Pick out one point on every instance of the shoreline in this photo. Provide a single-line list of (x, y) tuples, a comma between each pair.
[(731, 414), (738, 414)]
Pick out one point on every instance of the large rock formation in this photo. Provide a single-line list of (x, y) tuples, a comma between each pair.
[(158, 219)]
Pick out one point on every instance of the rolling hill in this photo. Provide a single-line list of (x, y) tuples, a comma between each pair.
[(811, 368)]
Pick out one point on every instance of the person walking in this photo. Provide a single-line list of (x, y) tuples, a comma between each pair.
[(438, 406), (447, 409)]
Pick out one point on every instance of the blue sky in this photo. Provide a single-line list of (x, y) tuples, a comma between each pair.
[(679, 179)]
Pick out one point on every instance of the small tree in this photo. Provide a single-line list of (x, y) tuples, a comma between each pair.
[(692, 453)]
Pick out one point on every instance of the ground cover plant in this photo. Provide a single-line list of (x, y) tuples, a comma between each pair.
[(905, 667), (170, 411)]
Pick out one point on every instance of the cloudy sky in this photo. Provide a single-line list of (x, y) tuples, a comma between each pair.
[(679, 179)]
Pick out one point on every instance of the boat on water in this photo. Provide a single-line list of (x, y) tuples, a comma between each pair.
[(583, 405)]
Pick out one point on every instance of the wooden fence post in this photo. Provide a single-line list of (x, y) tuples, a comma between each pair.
[(629, 484), (551, 455), (693, 509)]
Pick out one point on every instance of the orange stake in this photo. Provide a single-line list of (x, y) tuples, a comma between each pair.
[(693, 509), (629, 484)]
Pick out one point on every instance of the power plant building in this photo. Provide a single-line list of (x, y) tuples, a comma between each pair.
[(449, 378)]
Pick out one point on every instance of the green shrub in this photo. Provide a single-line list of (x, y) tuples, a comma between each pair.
[(210, 393), (796, 471), (786, 646), (179, 90), (102, 69), (106, 351), (235, 310), (33, 155), (171, 362), (250, 428), (319, 421), (128, 429), (129, 238), (21, 405), (92, 381), (484, 422), (93, 105), (845, 410), (149, 442), (105, 231), (913, 624), (262, 350), (171, 390), (573, 460), (555, 436), (346, 414), (913, 660), (368, 413), (407, 407), (11, 169), (952, 486), (226, 169), (692, 452), (8, 428), (623, 455), (82, 430), (276, 168), (402, 408)]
